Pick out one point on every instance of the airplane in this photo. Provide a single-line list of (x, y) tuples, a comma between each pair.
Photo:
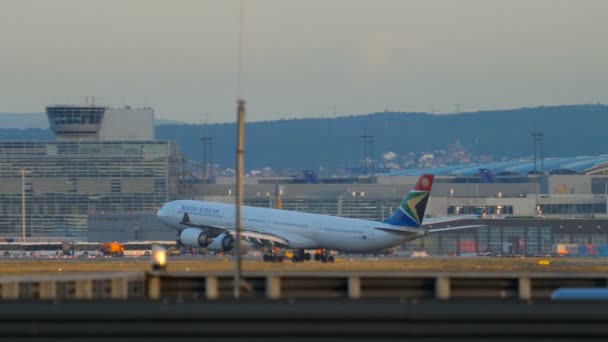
[(487, 176), (212, 225), (311, 177)]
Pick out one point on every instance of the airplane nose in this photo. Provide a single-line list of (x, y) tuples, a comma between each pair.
[(162, 213)]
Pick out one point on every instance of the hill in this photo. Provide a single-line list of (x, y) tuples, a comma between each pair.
[(23, 120), (297, 144), (308, 143)]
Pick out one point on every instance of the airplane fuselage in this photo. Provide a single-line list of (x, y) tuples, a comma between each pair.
[(301, 230)]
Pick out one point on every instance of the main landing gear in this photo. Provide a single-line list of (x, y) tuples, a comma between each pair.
[(273, 258), (323, 256), (300, 256), (320, 255), (273, 255)]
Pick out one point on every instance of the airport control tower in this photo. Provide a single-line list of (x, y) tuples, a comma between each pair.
[(97, 123), (104, 160)]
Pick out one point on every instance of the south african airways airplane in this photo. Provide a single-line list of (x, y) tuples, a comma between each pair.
[(212, 225)]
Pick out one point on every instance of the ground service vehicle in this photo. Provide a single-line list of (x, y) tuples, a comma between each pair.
[(113, 249), (144, 248)]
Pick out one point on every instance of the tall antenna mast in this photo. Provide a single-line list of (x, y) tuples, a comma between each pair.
[(240, 156)]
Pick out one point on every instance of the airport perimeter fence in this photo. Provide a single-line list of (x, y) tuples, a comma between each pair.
[(189, 286)]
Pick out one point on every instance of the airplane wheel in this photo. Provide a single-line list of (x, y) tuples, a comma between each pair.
[(331, 259), (317, 256), (307, 256), (279, 258), (266, 258)]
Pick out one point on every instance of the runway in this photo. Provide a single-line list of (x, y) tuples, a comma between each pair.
[(15, 266)]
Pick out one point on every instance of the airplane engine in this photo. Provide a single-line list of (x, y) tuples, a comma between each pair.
[(223, 242), (194, 237)]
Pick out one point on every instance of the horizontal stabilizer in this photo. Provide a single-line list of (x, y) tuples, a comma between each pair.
[(402, 230), (447, 219), (455, 228)]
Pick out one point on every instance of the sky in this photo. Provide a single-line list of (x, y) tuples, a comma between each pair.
[(313, 58)]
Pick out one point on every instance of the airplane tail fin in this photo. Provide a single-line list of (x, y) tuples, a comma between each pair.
[(481, 212), (411, 211), (311, 177), (487, 176)]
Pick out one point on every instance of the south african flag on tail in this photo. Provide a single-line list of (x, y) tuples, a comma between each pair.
[(411, 211)]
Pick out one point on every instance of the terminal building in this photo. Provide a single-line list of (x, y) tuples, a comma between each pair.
[(104, 160), (525, 214)]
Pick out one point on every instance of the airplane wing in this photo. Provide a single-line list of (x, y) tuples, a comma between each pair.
[(264, 238), (258, 238)]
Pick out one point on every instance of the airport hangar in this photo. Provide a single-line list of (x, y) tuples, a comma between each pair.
[(105, 175)]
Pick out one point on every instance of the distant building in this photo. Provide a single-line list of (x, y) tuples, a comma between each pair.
[(104, 160), (78, 123), (124, 226)]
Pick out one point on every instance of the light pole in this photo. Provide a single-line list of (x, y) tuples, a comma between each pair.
[(240, 170), (538, 138), (22, 172), (211, 158), (606, 195), (240, 156), (206, 141), (368, 144)]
